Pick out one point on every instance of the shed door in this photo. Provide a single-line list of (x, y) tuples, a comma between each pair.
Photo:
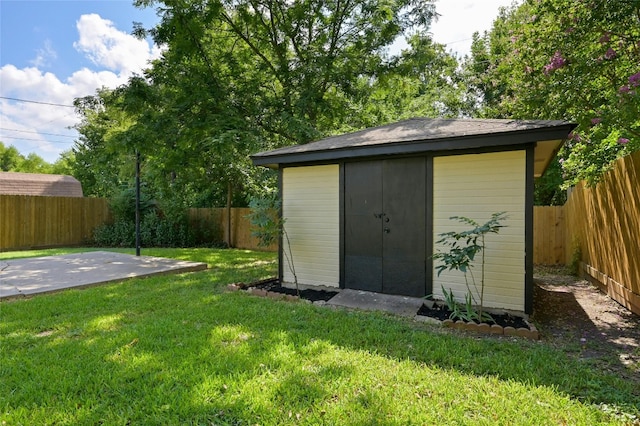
[(363, 225), (385, 226)]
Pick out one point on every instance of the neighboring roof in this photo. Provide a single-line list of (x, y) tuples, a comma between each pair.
[(418, 135), (12, 183)]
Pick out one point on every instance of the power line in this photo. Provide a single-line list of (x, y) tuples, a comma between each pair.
[(36, 102), (37, 133), (458, 41), (36, 140)]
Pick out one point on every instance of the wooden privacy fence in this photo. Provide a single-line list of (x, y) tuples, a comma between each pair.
[(216, 219), (599, 226), (30, 222), (549, 235), (603, 227)]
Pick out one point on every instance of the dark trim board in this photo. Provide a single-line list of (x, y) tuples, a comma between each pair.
[(341, 221), (528, 231), (429, 240), (445, 153), (280, 247)]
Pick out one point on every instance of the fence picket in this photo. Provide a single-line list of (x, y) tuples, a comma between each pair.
[(548, 238), (32, 221), (603, 222)]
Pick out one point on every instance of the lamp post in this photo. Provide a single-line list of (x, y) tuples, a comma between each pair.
[(137, 203)]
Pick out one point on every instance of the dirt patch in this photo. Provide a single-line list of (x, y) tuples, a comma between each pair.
[(573, 315)]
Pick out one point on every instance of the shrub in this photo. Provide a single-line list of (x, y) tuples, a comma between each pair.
[(463, 248), (164, 224)]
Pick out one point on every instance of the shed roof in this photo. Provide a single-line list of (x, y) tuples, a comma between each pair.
[(13, 183), (421, 135)]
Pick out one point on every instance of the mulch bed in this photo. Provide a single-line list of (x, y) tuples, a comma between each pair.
[(437, 311), (273, 285), (441, 313)]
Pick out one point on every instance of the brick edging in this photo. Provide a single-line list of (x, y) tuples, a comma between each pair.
[(261, 292), (530, 333)]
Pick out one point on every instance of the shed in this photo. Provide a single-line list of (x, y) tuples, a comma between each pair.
[(13, 183), (364, 210)]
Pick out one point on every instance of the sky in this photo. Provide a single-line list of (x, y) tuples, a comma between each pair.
[(53, 51)]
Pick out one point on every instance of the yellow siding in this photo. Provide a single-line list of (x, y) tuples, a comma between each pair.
[(475, 186), (310, 207)]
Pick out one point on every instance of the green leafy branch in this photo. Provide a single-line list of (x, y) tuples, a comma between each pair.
[(268, 226), (464, 246)]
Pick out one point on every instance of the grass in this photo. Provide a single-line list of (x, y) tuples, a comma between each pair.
[(179, 350), (212, 257), (42, 252)]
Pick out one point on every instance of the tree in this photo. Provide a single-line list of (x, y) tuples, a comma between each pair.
[(461, 256), (563, 59), (33, 163), (12, 161), (422, 81), (10, 158), (64, 164), (295, 66), (238, 77), (268, 226), (99, 163)]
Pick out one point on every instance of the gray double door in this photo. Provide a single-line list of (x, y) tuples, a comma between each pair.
[(385, 225)]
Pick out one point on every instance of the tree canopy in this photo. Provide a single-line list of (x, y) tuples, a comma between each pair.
[(11, 160), (565, 59), (237, 77), (241, 76)]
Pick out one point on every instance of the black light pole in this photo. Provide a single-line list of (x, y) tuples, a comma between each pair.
[(137, 203)]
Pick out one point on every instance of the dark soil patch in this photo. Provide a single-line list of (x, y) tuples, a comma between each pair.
[(313, 295), (442, 312)]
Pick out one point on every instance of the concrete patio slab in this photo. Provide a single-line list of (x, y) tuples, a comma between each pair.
[(23, 277), (366, 300)]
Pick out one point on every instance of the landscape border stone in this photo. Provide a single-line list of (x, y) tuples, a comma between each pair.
[(482, 328)]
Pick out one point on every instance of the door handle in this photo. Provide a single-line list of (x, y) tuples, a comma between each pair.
[(387, 230)]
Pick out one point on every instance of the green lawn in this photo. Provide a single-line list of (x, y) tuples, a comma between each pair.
[(180, 350)]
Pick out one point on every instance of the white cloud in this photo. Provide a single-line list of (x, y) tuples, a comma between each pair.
[(117, 56), (111, 48), (44, 55)]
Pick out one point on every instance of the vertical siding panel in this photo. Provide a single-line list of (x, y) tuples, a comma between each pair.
[(311, 210), (475, 186)]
